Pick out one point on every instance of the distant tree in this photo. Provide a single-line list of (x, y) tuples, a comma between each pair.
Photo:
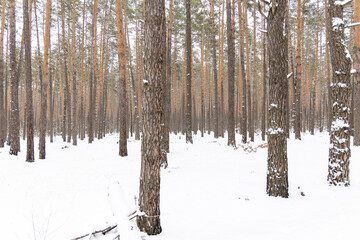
[(122, 80), (277, 174), (28, 82), (243, 75), (14, 127), (188, 73), (74, 81), (231, 75), (339, 152), (215, 72), (297, 82), (45, 83), (151, 155)]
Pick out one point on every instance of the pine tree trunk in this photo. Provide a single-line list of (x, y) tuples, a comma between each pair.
[(231, 75), (339, 152), (277, 175), (151, 157), (2, 99), (28, 80), (122, 80), (243, 75), (297, 83), (44, 86), (188, 74), (14, 137), (73, 58), (356, 54), (213, 43)]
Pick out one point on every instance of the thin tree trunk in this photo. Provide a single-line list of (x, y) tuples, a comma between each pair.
[(231, 75), (122, 80), (297, 83), (44, 86), (213, 43), (73, 55), (188, 74), (28, 80)]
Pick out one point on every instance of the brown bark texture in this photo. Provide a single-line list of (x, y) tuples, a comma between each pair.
[(14, 121), (339, 152), (188, 74), (356, 57), (151, 156), (122, 80), (231, 75), (277, 174), (28, 82), (2, 99)]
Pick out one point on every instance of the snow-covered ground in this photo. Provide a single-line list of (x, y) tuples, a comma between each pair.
[(209, 191)]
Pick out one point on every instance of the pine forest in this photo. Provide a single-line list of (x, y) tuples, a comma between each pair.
[(182, 119)]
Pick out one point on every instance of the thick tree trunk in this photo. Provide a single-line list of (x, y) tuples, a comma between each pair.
[(231, 75), (122, 80), (277, 175), (339, 152), (356, 57), (2, 99), (151, 157)]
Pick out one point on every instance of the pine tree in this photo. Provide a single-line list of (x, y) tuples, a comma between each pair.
[(356, 55), (231, 75), (151, 156), (339, 152), (14, 123), (277, 174), (188, 74), (28, 80), (2, 99), (122, 73)]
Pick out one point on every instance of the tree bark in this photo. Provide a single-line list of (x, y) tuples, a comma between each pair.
[(2, 99), (231, 75), (44, 86), (73, 58), (215, 72), (339, 152), (122, 80), (14, 138), (151, 156), (297, 83), (188, 74), (277, 175), (356, 54), (28, 82)]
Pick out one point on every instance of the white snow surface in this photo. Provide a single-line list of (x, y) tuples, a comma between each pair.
[(209, 191)]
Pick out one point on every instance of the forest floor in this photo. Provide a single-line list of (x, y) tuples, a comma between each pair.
[(209, 191)]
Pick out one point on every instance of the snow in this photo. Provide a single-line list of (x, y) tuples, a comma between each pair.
[(339, 124), (209, 191), (342, 3), (337, 23)]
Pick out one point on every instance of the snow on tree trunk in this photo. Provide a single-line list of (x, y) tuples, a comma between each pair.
[(339, 152), (151, 153), (277, 174)]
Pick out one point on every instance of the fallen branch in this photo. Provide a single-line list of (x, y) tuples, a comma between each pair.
[(103, 231)]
